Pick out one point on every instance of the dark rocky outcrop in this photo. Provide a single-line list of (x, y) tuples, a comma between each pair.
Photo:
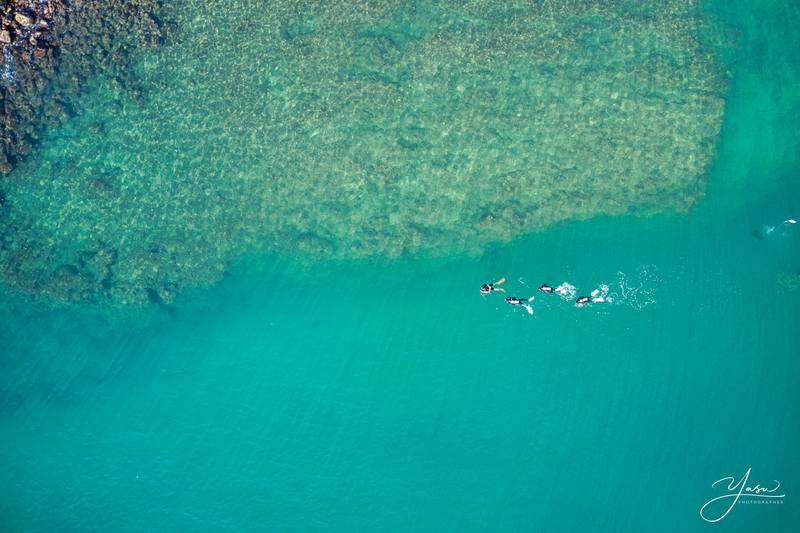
[(49, 48)]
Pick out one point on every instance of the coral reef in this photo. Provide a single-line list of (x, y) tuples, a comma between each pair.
[(50, 48), (354, 129)]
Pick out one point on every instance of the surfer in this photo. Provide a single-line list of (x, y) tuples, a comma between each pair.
[(582, 300), (546, 288), (521, 302), (486, 288)]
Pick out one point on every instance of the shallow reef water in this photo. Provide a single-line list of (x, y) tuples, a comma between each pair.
[(354, 129)]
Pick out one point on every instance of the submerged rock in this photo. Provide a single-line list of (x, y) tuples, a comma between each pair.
[(24, 18)]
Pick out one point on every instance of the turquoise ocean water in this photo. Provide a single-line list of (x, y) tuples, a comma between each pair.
[(387, 394)]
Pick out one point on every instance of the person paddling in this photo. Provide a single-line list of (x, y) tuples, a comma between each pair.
[(486, 288), (521, 302)]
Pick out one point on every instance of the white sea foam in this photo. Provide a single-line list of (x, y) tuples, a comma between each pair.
[(566, 291), (8, 65), (600, 294), (638, 290)]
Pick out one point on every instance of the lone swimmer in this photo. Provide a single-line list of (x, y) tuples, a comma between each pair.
[(486, 288), (521, 302), (766, 231)]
